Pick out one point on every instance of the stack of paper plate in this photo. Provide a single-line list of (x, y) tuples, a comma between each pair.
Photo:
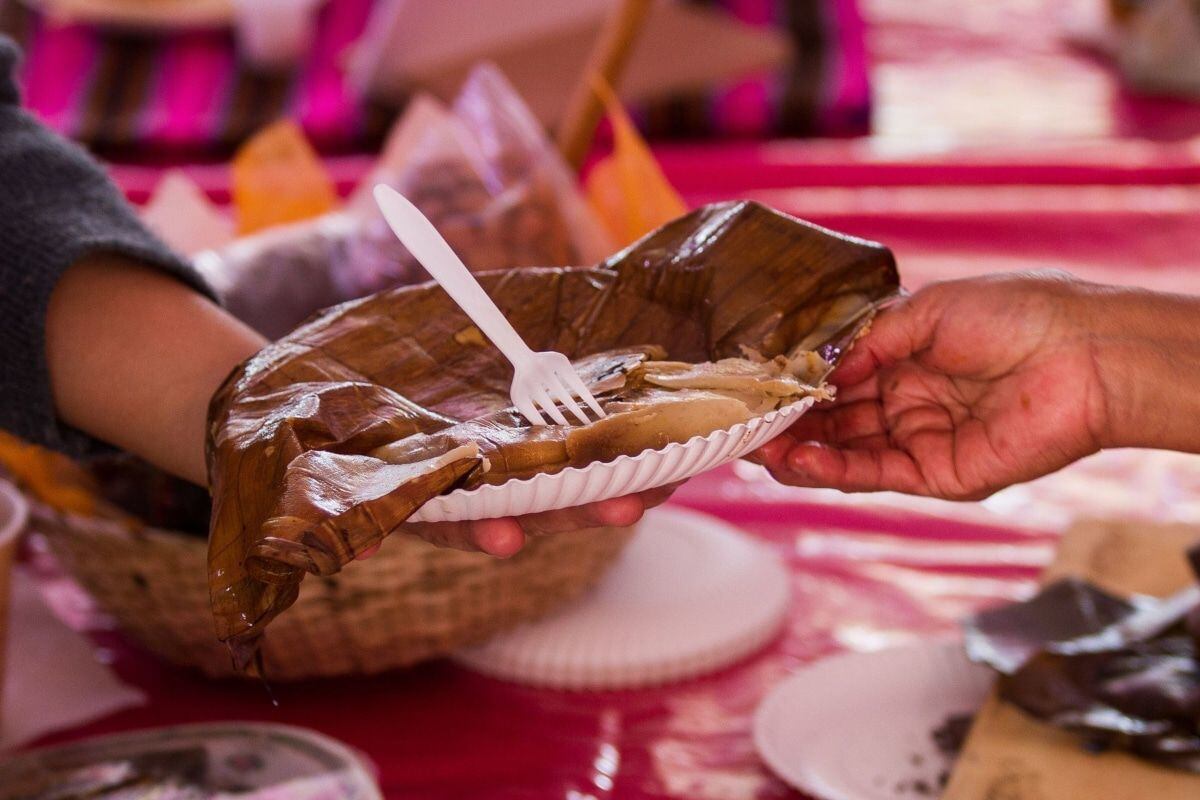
[(689, 595)]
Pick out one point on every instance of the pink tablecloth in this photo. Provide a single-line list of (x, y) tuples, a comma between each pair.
[(187, 94), (861, 579), (1115, 211)]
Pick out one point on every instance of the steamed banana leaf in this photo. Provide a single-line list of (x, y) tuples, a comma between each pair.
[(1121, 673), (330, 438)]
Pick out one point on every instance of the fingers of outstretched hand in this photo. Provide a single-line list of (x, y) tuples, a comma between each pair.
[(842, 424), (860, 424), (850, 470), (370, 551), (773, 452), (505, 536), (498, 537), (656, 497), (896, 334), (502, 537), (615, 512)]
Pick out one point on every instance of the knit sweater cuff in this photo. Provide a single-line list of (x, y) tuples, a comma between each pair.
[(57, 207)]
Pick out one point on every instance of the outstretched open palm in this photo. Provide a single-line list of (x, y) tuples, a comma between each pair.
[(956, 392)]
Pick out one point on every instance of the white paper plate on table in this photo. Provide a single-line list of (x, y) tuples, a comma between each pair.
[(859, 726), (650, 469), (688, 595)]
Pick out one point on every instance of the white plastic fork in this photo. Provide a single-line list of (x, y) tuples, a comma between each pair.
[(539, 379)]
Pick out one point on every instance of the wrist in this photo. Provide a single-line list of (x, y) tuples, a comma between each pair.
[(1146, 352), (134, 356)]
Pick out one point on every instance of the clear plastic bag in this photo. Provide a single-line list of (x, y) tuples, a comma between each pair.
[(489, 179), (485, 174)]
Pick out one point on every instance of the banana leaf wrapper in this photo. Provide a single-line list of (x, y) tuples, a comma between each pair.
[(1073, 657), (296, 487)]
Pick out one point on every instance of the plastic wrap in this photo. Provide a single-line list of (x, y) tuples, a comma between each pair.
[(484, 174)]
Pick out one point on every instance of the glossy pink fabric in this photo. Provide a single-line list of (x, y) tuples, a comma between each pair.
[(186, 107), (861, 579)]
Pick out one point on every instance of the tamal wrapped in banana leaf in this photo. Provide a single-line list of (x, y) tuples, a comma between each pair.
[(1121, 673), (329, 439)]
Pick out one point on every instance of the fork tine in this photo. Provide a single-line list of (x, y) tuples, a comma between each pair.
[(572, 379), (528, 410), (547, 404), (563, 395)]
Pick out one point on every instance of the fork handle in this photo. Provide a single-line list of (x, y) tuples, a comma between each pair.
[(424, 242)]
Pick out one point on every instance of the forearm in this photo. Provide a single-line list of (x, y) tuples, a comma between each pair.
[(134, 356), (1147, 348)]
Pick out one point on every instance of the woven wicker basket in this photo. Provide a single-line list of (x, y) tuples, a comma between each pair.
[(411, 602)]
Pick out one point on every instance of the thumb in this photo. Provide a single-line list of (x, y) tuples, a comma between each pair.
[(897, 333)]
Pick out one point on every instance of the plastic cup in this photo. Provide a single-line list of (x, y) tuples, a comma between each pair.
[(14, 513)]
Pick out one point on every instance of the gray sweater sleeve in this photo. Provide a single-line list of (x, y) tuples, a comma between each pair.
[(56, 207)]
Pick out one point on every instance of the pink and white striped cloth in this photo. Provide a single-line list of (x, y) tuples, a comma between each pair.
[(187, 96)]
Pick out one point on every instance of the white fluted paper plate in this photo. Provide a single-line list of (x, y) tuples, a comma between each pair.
[(576, 486), (688, 595), (859, 726)]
